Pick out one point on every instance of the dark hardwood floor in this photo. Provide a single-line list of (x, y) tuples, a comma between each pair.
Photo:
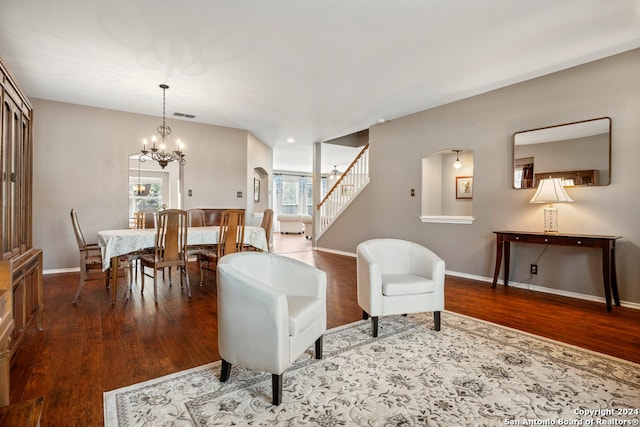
[(92, 347)]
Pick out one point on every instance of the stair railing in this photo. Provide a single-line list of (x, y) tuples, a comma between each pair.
[(346, 188)]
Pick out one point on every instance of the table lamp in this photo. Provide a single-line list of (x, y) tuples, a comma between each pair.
[(551, 191)]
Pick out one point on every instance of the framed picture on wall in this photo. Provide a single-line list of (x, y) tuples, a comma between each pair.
[(464, 187), (256, 190)]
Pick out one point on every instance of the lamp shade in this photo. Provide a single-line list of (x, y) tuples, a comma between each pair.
[(551, 191)]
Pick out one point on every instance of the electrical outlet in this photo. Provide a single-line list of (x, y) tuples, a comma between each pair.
[(534, 268)]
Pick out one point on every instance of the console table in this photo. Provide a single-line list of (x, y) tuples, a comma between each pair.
[(605, 243)]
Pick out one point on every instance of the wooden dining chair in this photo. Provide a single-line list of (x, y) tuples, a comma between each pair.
[(230, 240), (196, 217), (138, 220), (144, 218), (267, 226), (90, 259), (149, 217), (170, 249)]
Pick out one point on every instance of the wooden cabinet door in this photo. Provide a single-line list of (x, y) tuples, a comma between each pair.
[(15, 161)]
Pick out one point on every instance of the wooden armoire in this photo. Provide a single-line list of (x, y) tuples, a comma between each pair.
[(20, 263)]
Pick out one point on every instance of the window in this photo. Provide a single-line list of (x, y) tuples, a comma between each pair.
[(289, 193), (144, 193), (309, 188)]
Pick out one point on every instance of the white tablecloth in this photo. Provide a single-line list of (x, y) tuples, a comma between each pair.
[(121, 242)]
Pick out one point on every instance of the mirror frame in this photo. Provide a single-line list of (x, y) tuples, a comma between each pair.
[(562, 130)]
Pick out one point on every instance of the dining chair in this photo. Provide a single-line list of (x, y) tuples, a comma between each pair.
[(138, 220), (150, 217), (267, 226), (196, 217), (230, 240), (144, 218), (170, 248), (90, 258)]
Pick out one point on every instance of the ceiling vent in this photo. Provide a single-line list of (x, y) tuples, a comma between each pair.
[(185, 115)]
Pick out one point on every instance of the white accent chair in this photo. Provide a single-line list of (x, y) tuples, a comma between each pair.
[(307, 221), (398, 277), (290, 224), (271, 309)]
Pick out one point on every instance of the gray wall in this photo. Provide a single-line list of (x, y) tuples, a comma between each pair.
[(486, 124), (80, 162)]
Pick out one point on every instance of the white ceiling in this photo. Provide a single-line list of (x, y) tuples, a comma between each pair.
[(307, 70)]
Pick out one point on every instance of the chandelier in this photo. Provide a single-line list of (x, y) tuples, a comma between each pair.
[(158, 153)]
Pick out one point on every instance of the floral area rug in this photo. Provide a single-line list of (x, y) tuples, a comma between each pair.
[(471, 373)]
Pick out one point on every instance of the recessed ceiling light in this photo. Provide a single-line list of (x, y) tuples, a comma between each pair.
[(380, 121), (291, 140)]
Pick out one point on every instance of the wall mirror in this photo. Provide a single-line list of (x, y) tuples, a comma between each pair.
[(579, 153)]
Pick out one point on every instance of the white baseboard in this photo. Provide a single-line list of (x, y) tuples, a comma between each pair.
[(544, 289), (62, 270), (333, 251)]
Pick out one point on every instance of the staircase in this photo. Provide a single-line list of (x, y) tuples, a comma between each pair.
[(347, 188)]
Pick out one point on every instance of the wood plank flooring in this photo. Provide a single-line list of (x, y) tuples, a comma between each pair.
[(92, 347)]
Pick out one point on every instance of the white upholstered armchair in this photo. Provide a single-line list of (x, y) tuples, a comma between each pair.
[(399, 277), (271, 309)]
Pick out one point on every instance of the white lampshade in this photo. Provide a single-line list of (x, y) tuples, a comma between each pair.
[(551, 191)]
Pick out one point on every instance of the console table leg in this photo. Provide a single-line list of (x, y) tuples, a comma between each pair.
[(507, 261), (614, 276), (498, 261), (606, 274)]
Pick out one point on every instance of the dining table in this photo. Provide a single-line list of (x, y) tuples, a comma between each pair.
[(117, 243)]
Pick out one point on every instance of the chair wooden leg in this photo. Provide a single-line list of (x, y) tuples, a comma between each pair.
[(365, 315), (186, 275), (436, 320), (225, 371), (129, 277), (319, 347), (200, 262), (155, 284), (142, 279), (374, 326), (276, 387), (83, 278), (134, 266)]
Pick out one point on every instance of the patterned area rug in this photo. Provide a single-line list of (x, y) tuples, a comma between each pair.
[(471, 373)]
